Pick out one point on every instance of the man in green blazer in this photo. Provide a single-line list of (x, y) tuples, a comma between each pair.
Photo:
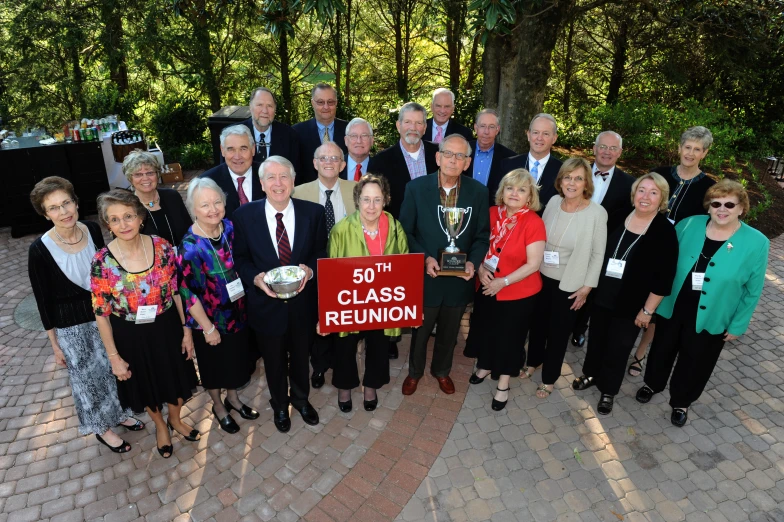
[(445, 296)]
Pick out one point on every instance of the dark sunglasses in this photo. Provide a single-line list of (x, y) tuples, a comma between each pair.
[(729, 205)]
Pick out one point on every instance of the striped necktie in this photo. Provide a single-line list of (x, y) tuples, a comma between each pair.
[(284, 248)]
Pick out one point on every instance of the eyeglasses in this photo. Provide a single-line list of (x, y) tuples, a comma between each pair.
[(614, 148), (729, 205), (367, 201), (448, 154), (576, 179), (355, 137), (149, 174), (67, 205), (491, 128), (328, 103), (128, 218), (326, 159)]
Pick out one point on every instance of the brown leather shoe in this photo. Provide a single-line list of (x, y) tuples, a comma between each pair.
[(410, 385), (446, 384)]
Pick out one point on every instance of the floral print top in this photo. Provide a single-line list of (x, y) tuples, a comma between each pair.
[(121, 293), (205, 267)]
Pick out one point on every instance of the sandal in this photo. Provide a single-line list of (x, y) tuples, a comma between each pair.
[(636, 366), (136, 426), (542, 392), (582, 383), (526, 372), (124, 447)]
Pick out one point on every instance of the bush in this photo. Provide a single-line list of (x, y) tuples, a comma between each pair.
[(191, 156), (177, 122), (108, 100)]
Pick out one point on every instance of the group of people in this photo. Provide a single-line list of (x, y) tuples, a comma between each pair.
[(547, 246)]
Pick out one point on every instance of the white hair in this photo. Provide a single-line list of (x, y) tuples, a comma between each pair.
[(280, 160), (237, 130), (199, 184), (611, 133), (442, 90), (357, 121)]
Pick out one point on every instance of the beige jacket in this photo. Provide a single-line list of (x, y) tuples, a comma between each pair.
[(310, 192)]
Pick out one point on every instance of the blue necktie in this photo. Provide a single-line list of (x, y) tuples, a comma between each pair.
[(535, 170)]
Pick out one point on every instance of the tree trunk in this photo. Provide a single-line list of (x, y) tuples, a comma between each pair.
[(285, 79), (74, 35), (620, 47), (210, 83), (111, 15), (455, 25), (568, 68), (349, 54), (472, 68), (337, 46), (401, 85), (491, 67)]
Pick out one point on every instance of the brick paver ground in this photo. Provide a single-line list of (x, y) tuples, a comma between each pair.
[(425, 457)]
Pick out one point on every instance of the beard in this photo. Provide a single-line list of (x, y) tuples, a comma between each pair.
[(412, 137)]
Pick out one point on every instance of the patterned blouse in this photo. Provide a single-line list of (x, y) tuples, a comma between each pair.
[(118, 292), (205, 267)]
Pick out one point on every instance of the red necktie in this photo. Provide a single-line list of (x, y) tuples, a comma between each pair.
[(284, 248), (358, 172), (241, 191)]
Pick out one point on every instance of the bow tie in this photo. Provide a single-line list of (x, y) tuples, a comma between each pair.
[(602, 174)]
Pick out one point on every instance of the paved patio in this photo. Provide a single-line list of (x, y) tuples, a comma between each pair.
[(428, 457)]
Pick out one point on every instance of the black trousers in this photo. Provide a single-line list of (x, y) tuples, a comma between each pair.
[(612, 339), (345, 374), (697, 355), (286, 365), (550, 330), (322, 353), (447, 319)]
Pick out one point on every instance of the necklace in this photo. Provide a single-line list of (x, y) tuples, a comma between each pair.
[(152, 203), (63, 241), (372, 234), (220, 232)]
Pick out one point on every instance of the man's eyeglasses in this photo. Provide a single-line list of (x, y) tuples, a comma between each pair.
[(729, 205), (355, 137), (128, 218), (328, 103), (491, 128), (326, 159), (448, 154), (67, 205), (613, 148)]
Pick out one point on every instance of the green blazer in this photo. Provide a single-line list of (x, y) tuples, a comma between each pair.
[(420, 219), (348, 240), (733, 279)]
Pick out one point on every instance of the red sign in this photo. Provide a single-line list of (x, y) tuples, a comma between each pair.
[(370, 293)]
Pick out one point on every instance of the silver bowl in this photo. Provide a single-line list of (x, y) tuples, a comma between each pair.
[(284, 280)]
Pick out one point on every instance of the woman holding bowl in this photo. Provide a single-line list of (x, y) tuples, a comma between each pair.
[(140, 318), (718, 282), (510, 280), (59, 270), (214, 301)]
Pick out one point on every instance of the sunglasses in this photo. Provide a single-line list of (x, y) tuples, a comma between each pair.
[(729, 205)]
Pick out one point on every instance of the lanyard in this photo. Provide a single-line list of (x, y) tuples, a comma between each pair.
[(122, 256), (167, 223), (623, 257), (220, 261)]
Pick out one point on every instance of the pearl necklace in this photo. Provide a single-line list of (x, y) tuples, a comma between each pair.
[(372, 234), (220, 232)]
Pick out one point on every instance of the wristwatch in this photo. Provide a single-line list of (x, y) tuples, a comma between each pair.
[(646, 312), (506, 280)]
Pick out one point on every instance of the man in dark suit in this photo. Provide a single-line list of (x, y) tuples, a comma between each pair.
[(238, 175), (273, 232), (323, 127), (408, 159), (359, 141), (443, 106), (542, 134), (486, 154), (612, 189), (445, 297), (272, 138)]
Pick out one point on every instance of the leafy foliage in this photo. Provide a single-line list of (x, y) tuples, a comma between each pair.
[(178, 121)]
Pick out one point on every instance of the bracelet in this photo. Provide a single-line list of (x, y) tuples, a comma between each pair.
[(211, 330), (506, 280), (646, 312), (111, 354)]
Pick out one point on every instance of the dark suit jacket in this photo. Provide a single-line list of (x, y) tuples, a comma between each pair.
[(500, 153), (546, 181), (391, 163), (617, 200), (310, 140), (285, 142), (254, 253), (419, 218), (222, 177), (452, 127)]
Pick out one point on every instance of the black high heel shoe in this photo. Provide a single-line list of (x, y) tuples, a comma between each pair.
[(122, 448), (137, 426), (166, 449), (193, 436), (246, 412), (370, 405), (346, 407), (498, 405)]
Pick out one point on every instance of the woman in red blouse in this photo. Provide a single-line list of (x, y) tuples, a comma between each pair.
[(508, 280)]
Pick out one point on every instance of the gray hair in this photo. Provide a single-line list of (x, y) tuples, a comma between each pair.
[(280, 160), (136, 160), (326, 144), (236, 130), (488, 111), (257, 90), (452, 137), (698, 133), (357, 121), (409, 107), (442, 90), (198, 184), (611, 133), (322, 85), (546, 116)]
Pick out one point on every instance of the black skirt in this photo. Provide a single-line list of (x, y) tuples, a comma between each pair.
[(159, 371), (225, 365)]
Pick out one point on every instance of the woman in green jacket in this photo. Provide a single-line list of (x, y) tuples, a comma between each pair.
[(370, 231), (718, 282)]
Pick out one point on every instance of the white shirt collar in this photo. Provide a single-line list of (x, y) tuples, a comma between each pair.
[(270, 211), (532, 160), (248, 173), (323, 188), (610, 172)]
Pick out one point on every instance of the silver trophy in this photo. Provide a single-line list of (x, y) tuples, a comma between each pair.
[(454, 222)]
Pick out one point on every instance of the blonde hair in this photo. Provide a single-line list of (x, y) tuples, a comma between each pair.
[(660, 183), (519, 178), (571, 165)]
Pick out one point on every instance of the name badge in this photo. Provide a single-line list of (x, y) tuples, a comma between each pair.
[(146, 314), (491, 264), (551, 258), (235, 289), (697, 278), (615, 268)]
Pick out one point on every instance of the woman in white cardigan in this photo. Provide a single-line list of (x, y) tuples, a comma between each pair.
[(573, 257)]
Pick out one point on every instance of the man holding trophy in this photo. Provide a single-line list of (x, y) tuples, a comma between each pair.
[(445, 216)]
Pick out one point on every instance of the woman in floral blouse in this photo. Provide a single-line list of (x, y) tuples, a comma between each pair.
[(214, 301), (140, 318)]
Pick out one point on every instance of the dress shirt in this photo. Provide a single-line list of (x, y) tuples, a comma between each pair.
[(435, 130), (331, 128), (267, 137), (600, 185), (351, 166), (483, 160), (288, 222), (336, 198), (415, 161), (246, 183), (542, 165)]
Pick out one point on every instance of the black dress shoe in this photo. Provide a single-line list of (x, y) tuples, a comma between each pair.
[(246, 412), (227, 424), (644, 394), (309, 414), (578, 340), (583, 383), (317, 380), (605, 405), (678, 417), (282, 420), (393, 353), (499, 405), (370, 405), (474, 379), (346, 407)]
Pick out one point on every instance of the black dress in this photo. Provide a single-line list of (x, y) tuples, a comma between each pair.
[(172, 221)]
